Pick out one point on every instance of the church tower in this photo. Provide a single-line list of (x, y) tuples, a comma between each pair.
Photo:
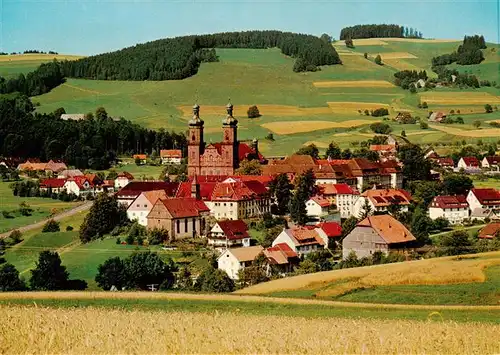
[(230, 141), (195, 142)]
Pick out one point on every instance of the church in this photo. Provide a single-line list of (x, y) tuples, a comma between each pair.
[(221, 158)]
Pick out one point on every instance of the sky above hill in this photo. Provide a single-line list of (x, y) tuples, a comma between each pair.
[(96, 26)]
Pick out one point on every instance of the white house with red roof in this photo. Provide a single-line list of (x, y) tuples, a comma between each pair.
[(376, 233), (328, 231), (53, 185), (180, 217), (139, 209), (79, 185), (341, 195), (381, 199), (229, 234), (302, 240), (281, 259), (454, 208), (491, 162), (468, 163), (233, 260), (445, 163), (484, 203), (123, 179), (132, 190), (317, 206), (171, 156)]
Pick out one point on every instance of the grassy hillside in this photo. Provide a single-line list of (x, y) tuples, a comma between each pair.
[(470, 280), (289, 101)]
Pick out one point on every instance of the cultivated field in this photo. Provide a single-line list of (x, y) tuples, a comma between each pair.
[(332, 284), (97, 330), (394, 55), (37, 57), (459, 98), (354, 84), (268, 110), (291, 127), (476, 133), (353, 107)]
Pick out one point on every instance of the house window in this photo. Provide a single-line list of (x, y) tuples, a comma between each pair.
[(138, 205), (185, 225), (146, 206), (178, 226)]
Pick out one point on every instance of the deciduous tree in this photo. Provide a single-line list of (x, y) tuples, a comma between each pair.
[(111, 273)]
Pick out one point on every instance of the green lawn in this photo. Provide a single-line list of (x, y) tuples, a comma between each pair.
[(263, 308), (258, 76), (42, 208)]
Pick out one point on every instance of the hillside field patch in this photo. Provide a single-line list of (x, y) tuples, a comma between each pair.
[(475, 133), (352, 107), (37, 57), (401, 64), (459, 98), (291, 127), (265, 110), (394, 55), (353, 84)]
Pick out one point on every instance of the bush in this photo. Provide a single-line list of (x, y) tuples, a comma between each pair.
[(270, 137), (69, 228), (214, 280), (424, 125), (488, 108), (378, 59), (51, 226), (381, 128), (253, 112), (15, 237), (7, 215), (379, 112)]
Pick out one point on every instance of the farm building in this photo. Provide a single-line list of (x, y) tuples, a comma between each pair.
[(454, 208), (302, 240), (341, 195), (491, 162), (229, 234), (73, 116), (171, 156), (140, 158), (490, 231), (234, 260), (468, 163), (143, 204), (380, 200), (281, 258), (437, 117), (483, 201), (376, 233), (317, 206), (123, 179)]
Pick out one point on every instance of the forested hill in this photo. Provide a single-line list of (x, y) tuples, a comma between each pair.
[(379, 31), (180, 57)]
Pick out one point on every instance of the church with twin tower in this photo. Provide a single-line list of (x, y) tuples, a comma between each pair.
[(221, 158)]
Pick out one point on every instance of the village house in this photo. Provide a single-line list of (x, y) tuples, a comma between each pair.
[(491, 162), (106, 186), (123, 179), (73, 116), (131, 191), (385, 151), (229, 234), (139, 209), (340, 195), (380, 200), (53, 185), (239, 200), (328, 231), (484, 203), (376, 233), (140, 158), (437, 117), (181, 218), (317, 206), (402, 117), (79, 185), (490, 231), (234, 260), (454, 208), (445, 163), (468, 163), (69, 173), (281, 259), (431, 154), (221, 158), (171, 156), (301, 240)]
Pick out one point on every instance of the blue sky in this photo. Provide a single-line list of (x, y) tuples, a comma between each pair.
[(90, 27)]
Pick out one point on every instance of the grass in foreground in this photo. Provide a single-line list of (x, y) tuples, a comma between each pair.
[(92, 330)]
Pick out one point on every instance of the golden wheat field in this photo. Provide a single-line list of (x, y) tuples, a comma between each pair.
[(265, 110), (291, 127), (394, 55), (477, 133), (353, 84), (368, 42), (420, 40), (317, 144), (421, 272), (459, 98), (110, 331), (352, 107), (401, 64), (36, 57)]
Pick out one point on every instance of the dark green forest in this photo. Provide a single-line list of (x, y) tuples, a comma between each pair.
[(469, 52), (91, 143), (379, 31)]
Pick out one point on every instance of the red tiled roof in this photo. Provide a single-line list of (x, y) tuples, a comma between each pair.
[(383, 147), (264, 179), (52, 183), (244, 151), (323, 202), (234, 229), (208, 178), (493, 160), (487, 196), (471, 161), (389, 228), (489, 231), (206, 190), (305, 236), (184, 207), (134, 188), (386, 197), (445, 162), (139, 156), (331, 229), (237, 191), (80, 181), (450, 202), (170, 153), (126, 174), (280, 253)]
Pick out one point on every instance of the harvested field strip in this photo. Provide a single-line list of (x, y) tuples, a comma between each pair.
[(447, 270), (370, 42), (353, 84), (394, 55), (464, 110), (265, 110), (37, 57), (476, 133), (416, 40), (234, 297), (97, 330), (363, 93), (291, 127), (459, 98), (317, 144), (401, 64), (353, 107)]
